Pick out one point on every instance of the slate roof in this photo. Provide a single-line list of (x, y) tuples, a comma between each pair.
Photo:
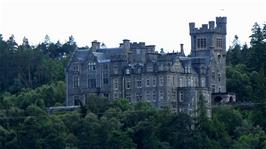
[(81, 55), (111, 51), (101, 57)]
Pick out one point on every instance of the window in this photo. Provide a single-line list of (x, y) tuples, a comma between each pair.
[(138, 82), (76, 81), (116, 95), (181, 96), (213, 88), (181, 82), (189, 69), (154, 81), (161, 80), (91, 66), (169, 79), (202, 82), (219, 43), (138, 96), (154, 95), (149, 68), (105, 78), (76, 67), (161, 94), (115, 69), (128, 84), (127, 71), (147, 82), (202, 70), (219, 77), (148, 95), (213, 75), (105, 66), (201, 43), (115, 84), (128, 96), (76, 100), (91, 83), (189, 81)]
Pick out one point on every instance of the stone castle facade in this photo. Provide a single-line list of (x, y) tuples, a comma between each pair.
[(137, 72)]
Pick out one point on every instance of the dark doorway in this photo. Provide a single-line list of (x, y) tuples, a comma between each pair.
[(218, 99), (231, 100)]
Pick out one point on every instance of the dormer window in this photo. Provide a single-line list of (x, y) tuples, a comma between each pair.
[(91, 66), (201, 43)]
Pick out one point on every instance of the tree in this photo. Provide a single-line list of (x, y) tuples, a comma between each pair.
[(97, 105), (176, 129), (201, 125), (11, 43), (234, 52)]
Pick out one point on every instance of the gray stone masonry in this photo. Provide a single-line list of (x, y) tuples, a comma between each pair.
[(135, 71)]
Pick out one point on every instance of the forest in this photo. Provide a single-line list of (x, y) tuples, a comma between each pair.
[(32, 79)]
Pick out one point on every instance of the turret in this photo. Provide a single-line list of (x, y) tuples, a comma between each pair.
[(209, 42), (126, 44), (211, 25), (221, 24)]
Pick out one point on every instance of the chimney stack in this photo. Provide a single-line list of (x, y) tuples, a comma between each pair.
[(95, 45), (126, 44), (182, 48)]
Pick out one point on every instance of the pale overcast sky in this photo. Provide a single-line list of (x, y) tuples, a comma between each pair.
[(160, 22)]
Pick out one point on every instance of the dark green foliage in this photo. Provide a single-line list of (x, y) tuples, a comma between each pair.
[(246, 73), (134, 126), (24, 66)]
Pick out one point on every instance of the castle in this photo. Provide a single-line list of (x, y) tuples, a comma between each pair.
[(135, 71)]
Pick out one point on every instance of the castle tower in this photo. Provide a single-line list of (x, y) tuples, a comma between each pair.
[(209, 42)]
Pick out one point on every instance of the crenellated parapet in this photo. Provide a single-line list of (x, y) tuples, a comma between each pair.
[(219, 28)]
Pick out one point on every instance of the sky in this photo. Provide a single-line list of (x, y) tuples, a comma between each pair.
[(163, 23)]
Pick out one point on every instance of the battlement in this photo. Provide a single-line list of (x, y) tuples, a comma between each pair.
[(220, 27), (221, 20), (137, 45)]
